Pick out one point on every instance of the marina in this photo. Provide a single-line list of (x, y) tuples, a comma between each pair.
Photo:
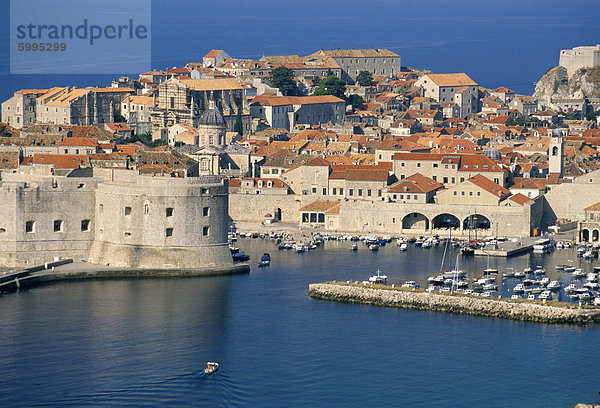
[(137, 322)]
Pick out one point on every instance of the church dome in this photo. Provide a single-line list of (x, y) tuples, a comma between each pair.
[(211, 117)]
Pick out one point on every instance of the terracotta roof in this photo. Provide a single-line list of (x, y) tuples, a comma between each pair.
[(503, 89), (32, 91), (354, 53), (216, 84), (417, 183), (213, 53), (117, 126), (140, 100), (79, 141), (519, 199), (489, 186), (60, 161), (594, 207), (458, 79), (266, 100), (326, 206), (360, 174)]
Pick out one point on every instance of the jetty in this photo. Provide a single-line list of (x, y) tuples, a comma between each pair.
[(523, 310), (67, 270)]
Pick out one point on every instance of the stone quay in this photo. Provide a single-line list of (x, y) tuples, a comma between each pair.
[(522, 310)]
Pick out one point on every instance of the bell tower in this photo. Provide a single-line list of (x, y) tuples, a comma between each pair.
[(556, 153)]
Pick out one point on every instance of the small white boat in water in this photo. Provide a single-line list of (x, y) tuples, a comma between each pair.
[(410, 285), (211, 367), (403, 246), (354, 246), (519, 274), (578, 273)]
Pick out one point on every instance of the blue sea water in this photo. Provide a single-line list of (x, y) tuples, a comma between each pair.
[(144, 343), (509, 43)]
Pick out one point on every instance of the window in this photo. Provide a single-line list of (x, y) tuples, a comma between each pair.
[(146, 209), (478, 193), (206, 211), (321, 217), (169, 232), (101, 208), (341, 191), (455, 193), (415, 197), (169, 212), (462, 193), (58, 225), (369, 193), (275, 171), (313, 217), (445, 180), (360, 192), (127, 210), (205, 231), (378, 193), (314, 190), (85, 225), (434, 178), (453, 180), (435, 165), (324, 191), (470, 193), (172, 102), (462, 179), (418, 164), (30, 226), (334, 191), (351, 192)]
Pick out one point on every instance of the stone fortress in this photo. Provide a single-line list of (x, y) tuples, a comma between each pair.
[(116, 218), (580, 57)]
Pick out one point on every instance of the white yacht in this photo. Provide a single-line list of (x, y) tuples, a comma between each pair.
[(378, 279)]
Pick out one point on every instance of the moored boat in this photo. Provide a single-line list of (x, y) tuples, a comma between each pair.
[(211, 367)]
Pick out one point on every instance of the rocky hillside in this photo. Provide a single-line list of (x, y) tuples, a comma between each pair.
[(555, 84)]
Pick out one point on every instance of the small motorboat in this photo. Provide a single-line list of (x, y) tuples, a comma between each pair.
[(519, 274), (240, 257), (354, 246), (211, 367), (265, 260), (403, 246)]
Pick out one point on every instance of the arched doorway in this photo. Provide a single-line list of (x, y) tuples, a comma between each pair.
[(415, 221), (476, 221), (445, 221), (595, 235), (585, 235)]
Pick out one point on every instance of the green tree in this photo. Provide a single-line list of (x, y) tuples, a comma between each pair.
[(117, 117), (331, 85), (238, 127), (364, 78), (355, 100), (5, 131), (282, 78), (589, 116)]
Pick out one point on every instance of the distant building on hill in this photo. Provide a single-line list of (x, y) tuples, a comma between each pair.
[(580, 57)]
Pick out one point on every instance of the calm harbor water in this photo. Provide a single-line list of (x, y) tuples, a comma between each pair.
[(146, 342)]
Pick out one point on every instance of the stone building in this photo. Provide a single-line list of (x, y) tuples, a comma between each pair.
[(457, 88), (288, 111), (80, 106), (136, 111), (377, 61), (579, 57), (589, 229), (20, 109), (115, 218), (183, 100)]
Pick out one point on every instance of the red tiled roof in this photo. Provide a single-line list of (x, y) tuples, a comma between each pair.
[(519, 199), (417, 183), (294, 100), (213, 53), (79, 141), (60, 161), (489, 186)]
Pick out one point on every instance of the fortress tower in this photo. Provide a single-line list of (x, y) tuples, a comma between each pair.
[(579, 57)]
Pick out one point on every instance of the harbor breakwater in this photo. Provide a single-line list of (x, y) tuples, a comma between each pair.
[(454, 303)]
